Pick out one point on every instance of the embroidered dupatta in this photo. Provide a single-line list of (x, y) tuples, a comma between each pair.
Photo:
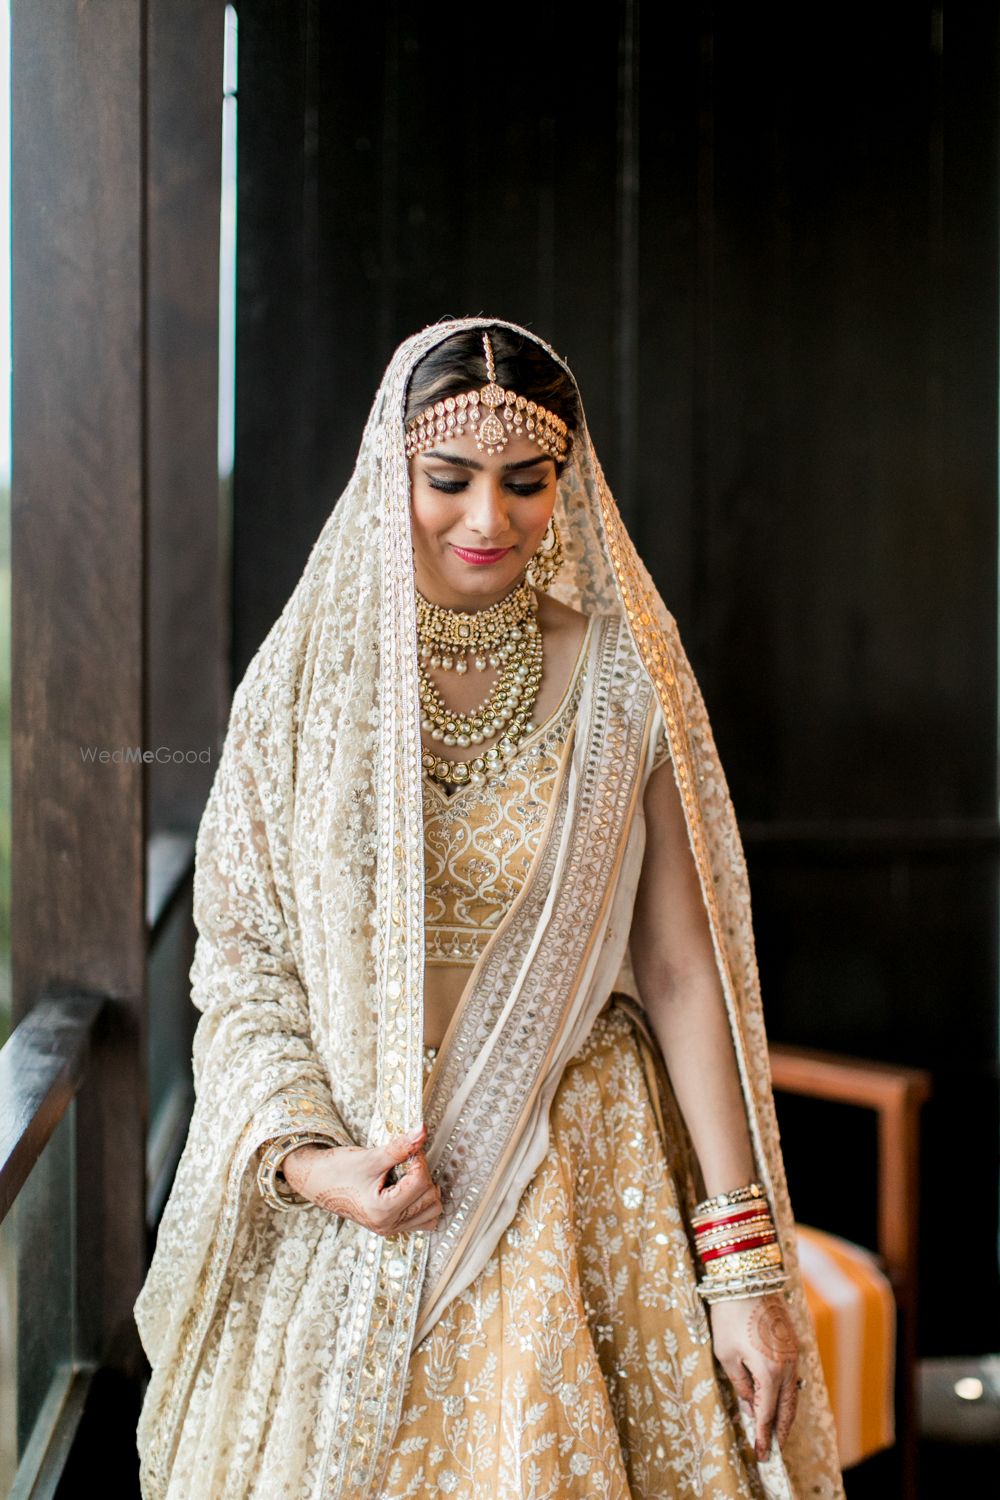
[(308, 974)]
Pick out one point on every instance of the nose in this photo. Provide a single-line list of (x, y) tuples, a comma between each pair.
[(487, 513)]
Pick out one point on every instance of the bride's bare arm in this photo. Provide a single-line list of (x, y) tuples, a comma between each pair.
[(675, 969), (679, 984)]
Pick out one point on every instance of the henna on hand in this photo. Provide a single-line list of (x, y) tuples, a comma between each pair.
[(771, 1330), (757, 1346), (344, 1201), (359, 1189)]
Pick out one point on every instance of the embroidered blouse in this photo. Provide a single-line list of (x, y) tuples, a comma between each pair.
[(480, 839)]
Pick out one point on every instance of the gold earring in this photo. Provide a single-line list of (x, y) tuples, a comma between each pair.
[(547, 558)]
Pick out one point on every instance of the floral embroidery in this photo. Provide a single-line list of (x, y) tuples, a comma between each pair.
[(578, 1364)]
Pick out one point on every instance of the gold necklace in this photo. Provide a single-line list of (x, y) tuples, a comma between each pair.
[(506, 635)]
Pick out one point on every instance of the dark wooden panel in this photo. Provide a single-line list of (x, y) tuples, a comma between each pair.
[(674, 264), (367, 211), (848, 540), (116, 125), (77, 499), (188, 606), (78, 565), (278, 406)]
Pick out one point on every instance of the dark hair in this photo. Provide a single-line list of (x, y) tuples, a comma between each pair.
[(459, 364)]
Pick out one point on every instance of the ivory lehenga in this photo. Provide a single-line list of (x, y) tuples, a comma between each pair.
[(546, 1339)]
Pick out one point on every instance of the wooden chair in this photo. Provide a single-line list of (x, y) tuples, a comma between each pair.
[(896, 1094)]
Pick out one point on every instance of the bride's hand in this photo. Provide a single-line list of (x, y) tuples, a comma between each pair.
[(756, 1344), (351, 1181)]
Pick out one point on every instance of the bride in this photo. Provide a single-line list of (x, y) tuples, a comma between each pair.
[(482, 1192)]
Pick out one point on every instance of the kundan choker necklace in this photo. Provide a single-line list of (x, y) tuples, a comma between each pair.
[(506, 635)]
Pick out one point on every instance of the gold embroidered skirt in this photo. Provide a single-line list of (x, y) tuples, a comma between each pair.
[(578, 1364)]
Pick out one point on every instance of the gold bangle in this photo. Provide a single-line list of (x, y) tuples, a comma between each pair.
[(269, 1170), (710, 1220), (746, 1194), (743, 1261)]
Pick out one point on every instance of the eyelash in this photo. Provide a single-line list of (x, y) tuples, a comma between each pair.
[(453, 486)]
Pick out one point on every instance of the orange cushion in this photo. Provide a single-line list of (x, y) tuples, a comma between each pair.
[(854, 1311)]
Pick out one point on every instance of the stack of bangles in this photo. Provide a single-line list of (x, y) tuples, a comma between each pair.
[(737, 1245)]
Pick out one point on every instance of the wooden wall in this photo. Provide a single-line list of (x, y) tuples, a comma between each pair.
[(117, 661), (765, 238)]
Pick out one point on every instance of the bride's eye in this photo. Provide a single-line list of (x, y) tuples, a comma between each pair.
[(448, 486), (534, 488)]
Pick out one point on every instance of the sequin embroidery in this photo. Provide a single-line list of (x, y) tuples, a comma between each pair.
[(480, 840)]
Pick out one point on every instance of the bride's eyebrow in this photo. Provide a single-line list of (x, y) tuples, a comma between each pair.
[(470, 463)]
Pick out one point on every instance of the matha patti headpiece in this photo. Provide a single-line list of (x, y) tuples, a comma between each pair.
[(493, 415)]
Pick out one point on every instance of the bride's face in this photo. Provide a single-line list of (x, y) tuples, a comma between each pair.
[(477, 518)]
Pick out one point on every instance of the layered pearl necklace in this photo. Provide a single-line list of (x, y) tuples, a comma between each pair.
[(507, 636)]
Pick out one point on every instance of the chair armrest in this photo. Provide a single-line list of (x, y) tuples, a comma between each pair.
[(896, 1094)]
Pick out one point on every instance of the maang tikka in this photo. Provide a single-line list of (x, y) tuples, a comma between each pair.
[(493, 416)]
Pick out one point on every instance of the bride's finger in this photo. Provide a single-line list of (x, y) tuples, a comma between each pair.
[(765, 1407), (741, 1380), (408, 1188), (428, 1220), (788, 1401), (421, 1205)]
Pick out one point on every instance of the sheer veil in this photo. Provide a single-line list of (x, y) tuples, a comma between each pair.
[(308, 974)]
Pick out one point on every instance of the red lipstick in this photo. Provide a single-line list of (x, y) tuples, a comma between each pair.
[(480, 555)]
